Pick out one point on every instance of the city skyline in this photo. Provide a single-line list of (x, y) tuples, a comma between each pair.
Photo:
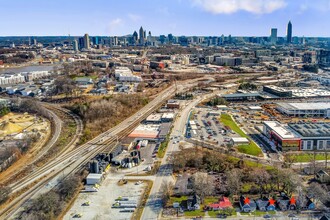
[(179, 17)]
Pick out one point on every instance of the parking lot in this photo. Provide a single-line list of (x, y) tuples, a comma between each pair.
[(100, 203), (209, 128)]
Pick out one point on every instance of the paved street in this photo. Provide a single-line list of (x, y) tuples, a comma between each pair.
[(154, 204)]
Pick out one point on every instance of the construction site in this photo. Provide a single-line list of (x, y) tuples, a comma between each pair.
[(15, 126)]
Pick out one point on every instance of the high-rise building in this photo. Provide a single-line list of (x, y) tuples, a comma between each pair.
[(95, 40), (149, 38), (135, 38), (289, 33), (86, 41), (142, 36), (273, 35), (170, 38), (81, 43), (75, 45)]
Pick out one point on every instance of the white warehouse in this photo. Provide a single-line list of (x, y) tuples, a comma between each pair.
[(311, 109), (124, 74)]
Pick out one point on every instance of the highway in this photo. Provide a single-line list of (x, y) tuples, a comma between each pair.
[(72, 161)]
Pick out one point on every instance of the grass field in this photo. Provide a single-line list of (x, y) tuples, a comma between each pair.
[(250, 163), (305, 157), (252, 148)]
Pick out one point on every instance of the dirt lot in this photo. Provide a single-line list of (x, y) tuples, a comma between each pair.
[(14, 123)]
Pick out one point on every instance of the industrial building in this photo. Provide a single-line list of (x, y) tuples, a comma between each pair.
[(173, 104), (124, 74), (278, 91), (228, 61), (314, 136), (313, 109), (94, 178), (298, 136), (241, 96)]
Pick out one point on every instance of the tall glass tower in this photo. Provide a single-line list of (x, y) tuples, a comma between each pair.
[(289, 33)]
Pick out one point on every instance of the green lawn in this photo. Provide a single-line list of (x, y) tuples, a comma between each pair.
[(194, 213), (305, 157), (177, 199), (252, 148), (250, 163), (210, 199)]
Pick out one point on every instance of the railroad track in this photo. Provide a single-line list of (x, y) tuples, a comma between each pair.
[(84, 153)]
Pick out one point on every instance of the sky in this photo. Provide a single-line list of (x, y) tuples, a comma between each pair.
[(179, 17)]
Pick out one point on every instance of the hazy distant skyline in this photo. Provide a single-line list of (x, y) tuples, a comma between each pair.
[(179, 17)]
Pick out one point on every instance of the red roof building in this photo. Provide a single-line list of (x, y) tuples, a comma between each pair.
[(222, 204)]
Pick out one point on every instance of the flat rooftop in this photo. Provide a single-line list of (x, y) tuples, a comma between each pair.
[(312, 129), (305, 106), (234, 95), (255, 107), (280, 129)]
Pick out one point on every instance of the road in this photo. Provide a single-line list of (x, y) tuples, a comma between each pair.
[(153, 207)]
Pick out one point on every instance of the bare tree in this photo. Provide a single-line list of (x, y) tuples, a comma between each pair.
[(261, 178), (234, 181), (290, 182), (202, 185), (166, 191), (318, 193)]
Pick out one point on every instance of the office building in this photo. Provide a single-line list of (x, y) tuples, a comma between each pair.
[(324, 58), (170, 38), (302, 136), (289, 33), (273, 35), (81, 43), (141, 36), (95, 40), (281, 136), (86, 41), (75, 45), (135, 38)]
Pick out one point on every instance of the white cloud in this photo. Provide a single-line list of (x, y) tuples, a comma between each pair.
[(232, 6), (321, 5), (114, 24), (134, 17)]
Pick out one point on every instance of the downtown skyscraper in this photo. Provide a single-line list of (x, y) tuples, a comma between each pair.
[(273, 35), (289, 33)]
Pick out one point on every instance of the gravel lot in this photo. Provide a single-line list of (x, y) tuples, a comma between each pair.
[(101, 201)]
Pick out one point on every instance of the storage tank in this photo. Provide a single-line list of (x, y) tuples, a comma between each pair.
[(95, 166), (134, 153), (138, 146)]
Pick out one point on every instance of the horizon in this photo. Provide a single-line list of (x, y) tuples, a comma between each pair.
[(180, 17)]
